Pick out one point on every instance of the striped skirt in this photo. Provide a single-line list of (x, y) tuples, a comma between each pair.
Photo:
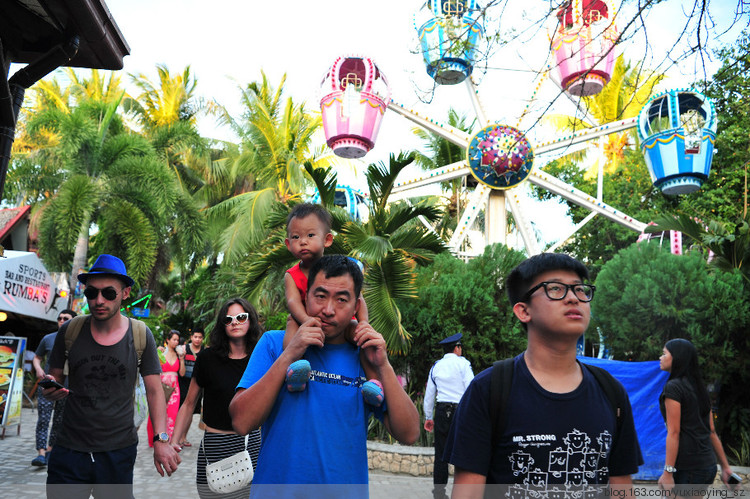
[(217, 446)]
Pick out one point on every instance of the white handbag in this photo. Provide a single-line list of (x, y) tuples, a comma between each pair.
[(231, 473)]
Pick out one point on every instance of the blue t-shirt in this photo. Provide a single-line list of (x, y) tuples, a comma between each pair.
[(319, 435), (552, 441)]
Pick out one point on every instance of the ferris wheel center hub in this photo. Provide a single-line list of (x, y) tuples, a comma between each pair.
[(500, 156)]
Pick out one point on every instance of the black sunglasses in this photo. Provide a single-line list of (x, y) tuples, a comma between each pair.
[(109, 293), (241, 318)]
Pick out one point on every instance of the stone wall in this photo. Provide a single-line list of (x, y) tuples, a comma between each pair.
[(417, 461), (409, 460)]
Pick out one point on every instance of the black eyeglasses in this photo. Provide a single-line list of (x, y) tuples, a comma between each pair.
[(240, 318), (109, 293), (558, 291), (63, 319)]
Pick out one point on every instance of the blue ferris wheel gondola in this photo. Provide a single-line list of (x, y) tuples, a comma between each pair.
[(677, 129), (449, 40), (351, 200)]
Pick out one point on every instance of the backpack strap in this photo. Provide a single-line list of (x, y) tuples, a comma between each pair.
[(612, 389), (501, 380), (139, 338), (72, 330)]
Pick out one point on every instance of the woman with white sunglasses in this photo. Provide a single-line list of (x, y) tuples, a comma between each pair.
[(217, 371)]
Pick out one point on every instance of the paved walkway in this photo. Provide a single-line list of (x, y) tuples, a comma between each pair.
[(18, 479)]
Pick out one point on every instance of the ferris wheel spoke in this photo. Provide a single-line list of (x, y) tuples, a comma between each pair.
[(449, 133), (474, 97), (454, 170), (580, 198), (585, 135)]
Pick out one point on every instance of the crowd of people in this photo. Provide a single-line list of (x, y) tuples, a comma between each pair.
[(299, 401)]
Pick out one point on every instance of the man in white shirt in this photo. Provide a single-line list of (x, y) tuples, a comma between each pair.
[(447, 382)]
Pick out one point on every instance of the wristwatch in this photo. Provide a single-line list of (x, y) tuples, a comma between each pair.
[(162, 437), (669, 469)]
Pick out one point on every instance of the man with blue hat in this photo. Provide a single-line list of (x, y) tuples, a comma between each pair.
[(103, 354), (449, 377)]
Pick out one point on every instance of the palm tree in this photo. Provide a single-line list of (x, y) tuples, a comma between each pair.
[(111, 181), (441, 152), (275, 141), (167, 114), (390, 245)]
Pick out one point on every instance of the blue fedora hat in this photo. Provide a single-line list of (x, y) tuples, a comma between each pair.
[(107, 265)]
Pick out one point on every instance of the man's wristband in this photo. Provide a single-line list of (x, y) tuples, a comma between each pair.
[(669, 469)]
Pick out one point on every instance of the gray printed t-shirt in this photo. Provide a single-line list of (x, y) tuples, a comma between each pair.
[(98, 413)]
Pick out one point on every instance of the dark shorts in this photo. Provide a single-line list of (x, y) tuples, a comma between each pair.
[(690, 483), (73, 474)]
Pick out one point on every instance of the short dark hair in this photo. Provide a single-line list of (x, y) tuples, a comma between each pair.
[(449, 347), (521, 278), (303, 210), (67, 311), (219, 339), (335, 266)]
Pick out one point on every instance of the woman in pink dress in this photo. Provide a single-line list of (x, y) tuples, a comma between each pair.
[(172, 365)]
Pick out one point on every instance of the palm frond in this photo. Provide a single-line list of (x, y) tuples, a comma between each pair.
[(380, 178), (370, 248), (386, 282), (325, 181)]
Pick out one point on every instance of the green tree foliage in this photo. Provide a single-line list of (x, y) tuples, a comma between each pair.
[(722, 197), (468, 298), (646, 296)]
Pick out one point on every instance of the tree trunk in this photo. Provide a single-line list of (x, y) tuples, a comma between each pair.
[(80, 255)]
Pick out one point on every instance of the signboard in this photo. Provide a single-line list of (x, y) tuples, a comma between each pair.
[(12, 349), (141, 312), (27, 288)]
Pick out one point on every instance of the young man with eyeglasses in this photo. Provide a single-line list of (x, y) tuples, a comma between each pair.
[(559, 434), (47, 407), (96, 447)]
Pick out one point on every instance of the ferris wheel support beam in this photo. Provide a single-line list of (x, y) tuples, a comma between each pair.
[(580, 198), (515, 202), (474, 97), (477, 199), (449, 133)]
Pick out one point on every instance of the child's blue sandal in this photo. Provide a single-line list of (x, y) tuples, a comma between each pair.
[(298, 375)]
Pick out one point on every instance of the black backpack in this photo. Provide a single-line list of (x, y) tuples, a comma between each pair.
[(501, 380)]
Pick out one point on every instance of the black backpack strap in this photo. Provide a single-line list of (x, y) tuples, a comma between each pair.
[(501, 380), (612, 389)]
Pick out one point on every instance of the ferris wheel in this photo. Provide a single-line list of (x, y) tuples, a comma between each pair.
[(677, 128)]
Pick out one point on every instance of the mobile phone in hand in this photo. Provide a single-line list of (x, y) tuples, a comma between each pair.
[(734, 479), (50, 383)]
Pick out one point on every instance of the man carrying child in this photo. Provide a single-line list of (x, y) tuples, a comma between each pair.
[(318, 436)]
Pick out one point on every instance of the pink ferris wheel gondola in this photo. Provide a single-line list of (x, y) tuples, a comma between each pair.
[(355, 98), (584, 45)]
